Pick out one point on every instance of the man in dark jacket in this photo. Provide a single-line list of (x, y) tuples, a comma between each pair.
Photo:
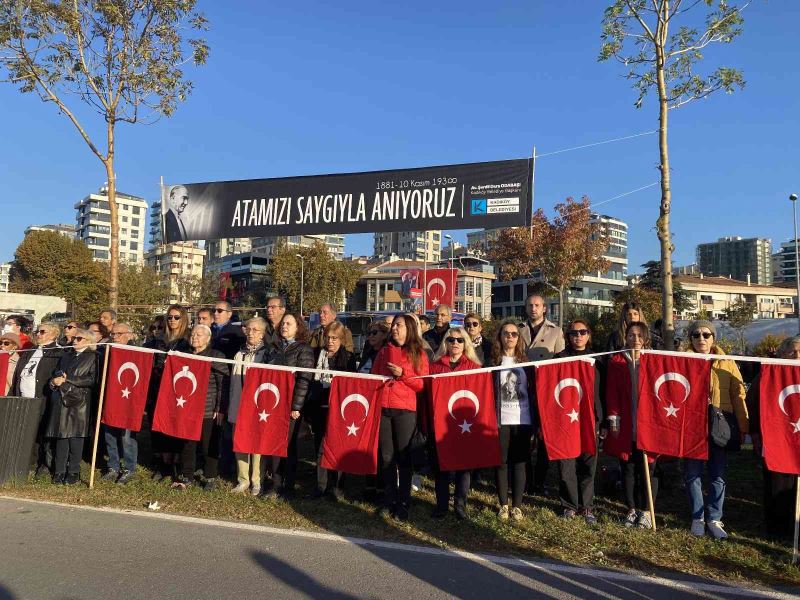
[(225, 336), (31, 379), (276, 308), (327, 315), (435, 335)]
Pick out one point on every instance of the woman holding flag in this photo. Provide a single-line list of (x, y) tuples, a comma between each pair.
[(403, 360), (727, 394), (622, 397), (455, 354)]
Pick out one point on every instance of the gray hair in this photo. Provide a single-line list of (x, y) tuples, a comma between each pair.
[(226, 304), (786, 346), (256, 321), (53, 328), (110, 311), (204, 328), (86, 334)]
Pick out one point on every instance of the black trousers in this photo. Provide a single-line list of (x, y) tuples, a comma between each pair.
[(634, 484), (44, 453), (540, 466), (462, 480), (394, 441), (68, 456), (576, 486), (779, 498), (515, 450), (326, 480), (189, 449), (284, 469)]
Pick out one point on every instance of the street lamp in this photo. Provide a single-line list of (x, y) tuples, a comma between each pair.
[(447, 236), (302, 269), (793, 198)]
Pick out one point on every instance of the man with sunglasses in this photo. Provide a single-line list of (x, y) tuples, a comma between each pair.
[(31, 378), (482, 346), (225, 336)]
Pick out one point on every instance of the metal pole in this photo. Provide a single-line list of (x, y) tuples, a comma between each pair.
[(302, 283), (533, 180), (793, 198)]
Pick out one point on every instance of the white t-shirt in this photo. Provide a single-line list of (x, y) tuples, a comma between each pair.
[(27, 380), (515, 406)]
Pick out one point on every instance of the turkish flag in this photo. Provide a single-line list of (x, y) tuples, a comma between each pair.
[(4, 356), (780, 417), (465, 422), (440, 287), (672, 413), (181, 399), (565, 394), (354, 418), (127, 381), (262, 426)]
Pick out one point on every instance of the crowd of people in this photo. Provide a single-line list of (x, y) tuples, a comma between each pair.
[(62, 366)]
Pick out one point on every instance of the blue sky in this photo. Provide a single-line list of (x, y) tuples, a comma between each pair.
[(320, 87)]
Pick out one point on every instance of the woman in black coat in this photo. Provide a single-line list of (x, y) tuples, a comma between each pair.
[(292, 350), (334, 357), (73, 388)]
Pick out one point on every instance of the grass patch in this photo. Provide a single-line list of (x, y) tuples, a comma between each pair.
[(747, 557)]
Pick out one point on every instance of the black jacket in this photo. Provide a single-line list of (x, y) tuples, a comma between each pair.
[(295, 354), (271, 336), (218, 383), (71, 401), (434, 337), (44, 371), (228, 340), (341, 361), (484, 352)]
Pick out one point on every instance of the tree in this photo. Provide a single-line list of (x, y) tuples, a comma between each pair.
[(50, 264), (651, 280), (193, 289), (325, 279), (739, 315), (560, 252), (768, 346), (122, 58), (637, 33)]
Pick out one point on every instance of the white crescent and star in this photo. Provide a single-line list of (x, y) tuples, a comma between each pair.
[(469, 395), (352, 429), (439, 281), (266, 387), (672, 410), (185, 373), (127, 366), (785, 393), (562, 385)]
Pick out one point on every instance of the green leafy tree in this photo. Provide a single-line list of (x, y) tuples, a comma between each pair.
[(651, 280), (50, 264), (661, 42), (768, 345), (739, 315), (124, 59), (325, 279), (560, 252), (198, 290)]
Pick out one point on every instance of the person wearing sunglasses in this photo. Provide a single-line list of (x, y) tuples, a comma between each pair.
[(576, 475), (377, 334), (73, 386), (69, 332), (481, 345), (455, 354), (227, 337), (31, 378), (727, 394), (621, 400), (515, 417), (9, 342), (155, 333)]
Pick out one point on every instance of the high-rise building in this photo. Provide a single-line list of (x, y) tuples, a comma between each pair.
[(226, 246), (156, 237), (179, 265), (64, 229), (737, 258), (266, 246), (5, 270), (409, 245), (783, 263), (93, 225)]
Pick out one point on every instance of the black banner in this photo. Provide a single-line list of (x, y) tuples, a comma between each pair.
[(477, 195)]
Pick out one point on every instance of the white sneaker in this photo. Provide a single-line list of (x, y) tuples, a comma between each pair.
[(631, 518), (698, 527), (715, 528), (256, 490), (644, 521), (241, 488), (416, 483)]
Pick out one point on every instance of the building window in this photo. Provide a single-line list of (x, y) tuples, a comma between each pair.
[(135, 222), (124, 219), (134, 245)]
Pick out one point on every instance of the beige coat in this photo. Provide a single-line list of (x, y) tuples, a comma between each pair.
[(548, 342)]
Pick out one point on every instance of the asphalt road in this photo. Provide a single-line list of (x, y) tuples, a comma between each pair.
[(54, 551)]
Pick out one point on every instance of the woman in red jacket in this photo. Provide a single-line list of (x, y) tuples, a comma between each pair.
[(456, 353), (403, 359)]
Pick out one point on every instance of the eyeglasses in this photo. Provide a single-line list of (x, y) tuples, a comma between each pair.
[(42, 331), (455, 340), (78, 338), (705, 335), (173, 317), (118, 333), (70, 327), (577, 332), (511, 334), (221, 310), (5, 343), (273, 306), (374, 332), (471, 324)]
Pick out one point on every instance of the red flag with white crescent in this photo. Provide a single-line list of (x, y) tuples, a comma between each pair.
[(262, 425), (672, 410), (351, 436), (465, 422), (4, 356), (181, 399), (565, 395), (780, 417), (440, 287), (127, 382)]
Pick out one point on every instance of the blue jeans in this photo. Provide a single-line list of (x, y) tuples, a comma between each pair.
[(693, 476), (130, 448)]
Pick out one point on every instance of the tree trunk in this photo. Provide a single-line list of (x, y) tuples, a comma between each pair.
[(662, 225), (113, 278)]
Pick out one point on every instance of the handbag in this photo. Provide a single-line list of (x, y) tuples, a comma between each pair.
[(735, 442), (719, 431), (418, 449)]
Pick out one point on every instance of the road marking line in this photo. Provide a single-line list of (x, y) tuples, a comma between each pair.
[(541, 566)]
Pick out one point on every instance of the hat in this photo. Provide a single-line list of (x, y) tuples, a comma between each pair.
[(695, 325), (11, 337)]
